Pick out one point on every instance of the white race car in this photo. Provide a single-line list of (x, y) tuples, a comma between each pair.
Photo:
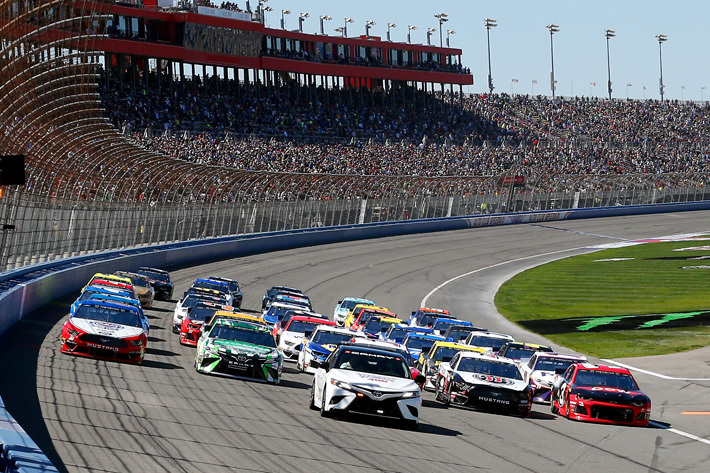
[(321, 344), (343, 308), (539, 372), (363, 380), (491, 341)]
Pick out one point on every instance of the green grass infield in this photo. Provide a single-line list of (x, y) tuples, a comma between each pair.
[(647, 299)]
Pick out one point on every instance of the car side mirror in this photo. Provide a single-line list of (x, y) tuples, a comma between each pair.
[(420, 379)]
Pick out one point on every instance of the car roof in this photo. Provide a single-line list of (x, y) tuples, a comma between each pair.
[(302, 318), (385, 319), (231, 322), (109, 304), (459, 346), (148, 268), (433, 310), (425, 336), (452, 321), (366, 349), (534, 346), (561, 356), (486, 356), (492, 334), (336, 329), (593, 367), (359, 299), (236, 315)]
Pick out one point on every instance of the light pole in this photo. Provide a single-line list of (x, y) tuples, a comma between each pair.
[(263, 13), (682, 88), (302, 17), (449, 32), (532, 87), (553, 29), (261, 9), (409, 32), (591, 84), (368, 25), (661, 39), (627, 90), (283, 18), (490, 23), (701, 93), (443, 18), (345, 27), (429, 31), (390, 25), (340, 30), (322, 19), (608, 34)]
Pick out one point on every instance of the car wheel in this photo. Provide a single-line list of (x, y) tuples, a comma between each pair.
[(299, 365), (566, 397), (323, 412), (312, 401), (440, 396)]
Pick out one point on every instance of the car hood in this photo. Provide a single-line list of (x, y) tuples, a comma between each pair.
[(372, 381), (608, 394), (541, 376), (234, 347), (327, 348), (107, 329), (493, 381)]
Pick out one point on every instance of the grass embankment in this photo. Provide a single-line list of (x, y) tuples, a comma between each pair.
[(643, 279)]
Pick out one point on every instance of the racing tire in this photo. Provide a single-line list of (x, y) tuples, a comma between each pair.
[(299, 366), (323, 412), (554, 408), (312, 401), (439, 396), (566, 397)]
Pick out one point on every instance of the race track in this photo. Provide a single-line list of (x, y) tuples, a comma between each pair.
[(97, 416)]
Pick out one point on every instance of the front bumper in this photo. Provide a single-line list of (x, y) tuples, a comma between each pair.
[(241, 367), (609, 413), (104, 348), (490, 398), (392, 406)]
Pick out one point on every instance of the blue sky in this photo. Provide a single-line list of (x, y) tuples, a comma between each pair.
[(520, 44)]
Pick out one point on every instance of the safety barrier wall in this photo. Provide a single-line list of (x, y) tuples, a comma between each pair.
[(29, 288)]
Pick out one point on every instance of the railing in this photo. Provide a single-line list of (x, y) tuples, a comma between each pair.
[(47, 229)]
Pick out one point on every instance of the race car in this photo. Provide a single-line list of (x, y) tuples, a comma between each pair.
[(105, 330), (393, 347), (300, 300), (441, 351), (458, 333), (357, 310), (397, 332), (491, 341), (343, 308), (425, 316), (241, 350), (540, 371), (440, 325), (294, 333), (215, 285), (321, 343), (191, 327), (229, 315), (190, 300), (416, 343), (88, 291), (483, 381), (520, 351), (599, 393), (160, 280), (366, 381), (142, 286), (366, 314), (271, 293), (234, 289), (276, 311), (284, 317), (375, 326)]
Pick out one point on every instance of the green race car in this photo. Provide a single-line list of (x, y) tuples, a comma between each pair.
[(241, 350)]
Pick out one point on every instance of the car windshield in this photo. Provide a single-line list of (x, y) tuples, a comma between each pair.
[(376, 325), (427, 319), (489, 367), (331, 338), (215, 286), (444, 354), (278, 311), (484, 341), (552, 364), (374, 363), (109, 314), (233, 286), (350, 304), (396, 332), (153, 275), (140, 282), (606, 378), (200, 314), (458, 335), (443, 324), (419, 344), (301, 326), (242, 334), (519, 353)]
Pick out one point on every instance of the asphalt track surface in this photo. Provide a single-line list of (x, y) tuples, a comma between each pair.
[(92, 416)]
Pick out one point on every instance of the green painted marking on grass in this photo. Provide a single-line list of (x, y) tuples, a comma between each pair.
[(669, 318), (599, 321)]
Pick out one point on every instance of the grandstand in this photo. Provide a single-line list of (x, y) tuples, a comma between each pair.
[(143, 124)]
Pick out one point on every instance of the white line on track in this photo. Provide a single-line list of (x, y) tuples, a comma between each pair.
[(651, 373), (679, 432), (426, 298)]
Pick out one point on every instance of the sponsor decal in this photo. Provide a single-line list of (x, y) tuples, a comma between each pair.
[(609, 390), (103, 347), (493, 400), (377, 393), (619, 322)]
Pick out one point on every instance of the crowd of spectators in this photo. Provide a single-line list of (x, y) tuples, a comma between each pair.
[(231, 6), (482, 135)]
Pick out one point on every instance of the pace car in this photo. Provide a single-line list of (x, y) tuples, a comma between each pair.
[(368, 381), (241, 350), (599, 393), (541, 369), (483, 381), (105, 330)]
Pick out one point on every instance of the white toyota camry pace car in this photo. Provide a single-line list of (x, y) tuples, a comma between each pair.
[(369, 381)]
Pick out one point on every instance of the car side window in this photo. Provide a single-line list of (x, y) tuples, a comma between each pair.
[(454, 361), (568, 374)]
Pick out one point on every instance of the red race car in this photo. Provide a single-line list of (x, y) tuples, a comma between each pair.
[(599, 393)]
